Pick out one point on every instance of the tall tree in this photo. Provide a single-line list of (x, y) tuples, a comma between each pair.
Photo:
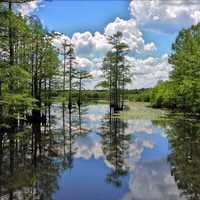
[(81, 76), (116, 71), (71, 58), (27, 63), (64, 66), (182, 91)]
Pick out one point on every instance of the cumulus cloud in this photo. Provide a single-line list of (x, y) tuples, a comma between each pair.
[(90, 48), (90, 45), (150, 69), (59, 39), (166, 16), (96, 45), (84, 63), (150, 47), (28, 7), (131, 34)]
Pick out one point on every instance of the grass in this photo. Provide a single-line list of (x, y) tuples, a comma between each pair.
[(140, 110)]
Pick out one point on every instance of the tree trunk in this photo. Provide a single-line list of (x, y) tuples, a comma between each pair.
[(64, 71), (70, 84), (79, 92)]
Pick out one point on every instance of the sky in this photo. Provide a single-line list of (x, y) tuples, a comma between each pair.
[(149, 27)]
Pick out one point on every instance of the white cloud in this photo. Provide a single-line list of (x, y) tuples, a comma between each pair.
[(84, 63), (131, 34), (28, 7), (90, 48), (59, 40), (166, 16), (96, 45), (150, 47), (90, 45), (147, 72)]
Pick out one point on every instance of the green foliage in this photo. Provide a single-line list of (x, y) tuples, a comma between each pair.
[(28, 64), (182, 91), (116, 71)]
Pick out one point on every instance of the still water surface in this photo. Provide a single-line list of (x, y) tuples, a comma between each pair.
[(90, 155)]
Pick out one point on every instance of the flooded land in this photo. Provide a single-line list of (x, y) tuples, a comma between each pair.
[(152, 156)]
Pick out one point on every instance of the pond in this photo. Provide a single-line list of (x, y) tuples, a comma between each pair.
[(88, 154)]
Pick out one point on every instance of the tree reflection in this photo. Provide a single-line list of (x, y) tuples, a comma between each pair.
[(115, 145), (33, 155), (72, 127), (28, 170), (184, 137), (71, 140)]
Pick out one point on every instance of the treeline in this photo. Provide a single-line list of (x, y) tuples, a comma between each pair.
[(182, 90), (31, 72), (28, 64)]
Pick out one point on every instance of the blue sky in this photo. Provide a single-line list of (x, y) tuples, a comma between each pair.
[(148, 27), (69, 16)]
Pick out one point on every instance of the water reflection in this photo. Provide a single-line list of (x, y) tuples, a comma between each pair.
[(88, 150), (115, 144), (184, 136), (24, 164)]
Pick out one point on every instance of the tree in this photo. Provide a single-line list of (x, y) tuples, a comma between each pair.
[(185, 60), (182, 90), (64, 66), (71, 58), (81, 76), (28, 63), (116, 71)]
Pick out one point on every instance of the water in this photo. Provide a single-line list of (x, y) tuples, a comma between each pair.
[(90, 155)]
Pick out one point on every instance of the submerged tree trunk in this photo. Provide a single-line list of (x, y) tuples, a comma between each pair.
[(36, 132), (0, 97), (123, 93), (70, 153), (1, 161), (110, 88), (79, 91), (79, 117)]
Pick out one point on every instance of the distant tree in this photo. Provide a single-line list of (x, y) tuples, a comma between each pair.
[(81, 75), (71, 58), (116, 71)]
